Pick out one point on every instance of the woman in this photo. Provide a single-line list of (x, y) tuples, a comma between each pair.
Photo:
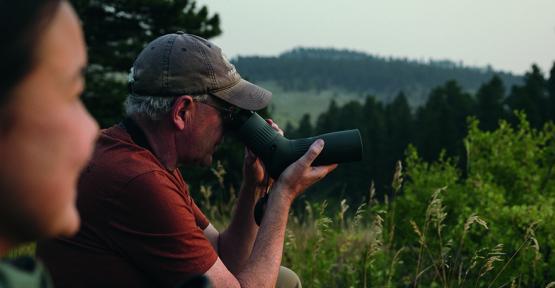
[(46, 135)]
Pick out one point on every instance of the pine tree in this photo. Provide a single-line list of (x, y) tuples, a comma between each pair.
[(116, 31), (305, 126), (551, 92), (290, 130), (374, 135), (490, 99), (398, 117), (398, 134), (441, 123), (327, 120), (399, 129), (531, 97), (430, 121)]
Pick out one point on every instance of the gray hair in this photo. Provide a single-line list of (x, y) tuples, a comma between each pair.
[(153, 107)]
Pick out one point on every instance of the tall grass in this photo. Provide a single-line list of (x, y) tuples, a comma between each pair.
[(357, 247), (341, 249)]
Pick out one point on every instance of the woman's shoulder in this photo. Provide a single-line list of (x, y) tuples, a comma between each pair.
[(23, 272)]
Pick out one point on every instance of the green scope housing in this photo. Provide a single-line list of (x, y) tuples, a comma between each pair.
[(277, 152)]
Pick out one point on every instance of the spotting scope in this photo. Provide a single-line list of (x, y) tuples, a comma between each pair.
[(277, 152)]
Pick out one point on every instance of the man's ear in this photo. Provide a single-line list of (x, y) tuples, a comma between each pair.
[(182, 111)]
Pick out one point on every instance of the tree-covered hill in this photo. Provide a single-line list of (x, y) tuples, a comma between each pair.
[(316, 69)]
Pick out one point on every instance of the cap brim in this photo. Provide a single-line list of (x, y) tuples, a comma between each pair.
[(245, 95)]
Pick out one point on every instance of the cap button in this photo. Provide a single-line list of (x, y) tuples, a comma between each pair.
[(179, 32)]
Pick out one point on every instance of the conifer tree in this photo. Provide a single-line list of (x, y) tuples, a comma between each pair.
[(305, 126), (551, 92), (116, 31), (531, 97), (490, 98)]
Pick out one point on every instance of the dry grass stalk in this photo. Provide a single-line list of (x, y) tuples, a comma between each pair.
[(529, 239), (471, 220)]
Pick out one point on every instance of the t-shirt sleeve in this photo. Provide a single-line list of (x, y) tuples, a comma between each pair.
[(157, 227), (201, 220)]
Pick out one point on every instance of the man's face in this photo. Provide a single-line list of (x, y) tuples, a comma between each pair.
[(198, 142)]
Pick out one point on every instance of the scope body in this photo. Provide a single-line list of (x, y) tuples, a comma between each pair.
[(277, 152)]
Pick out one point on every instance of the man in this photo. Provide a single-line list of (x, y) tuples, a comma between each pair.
[(140, 226)]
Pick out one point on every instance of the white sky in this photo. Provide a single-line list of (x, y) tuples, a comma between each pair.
[(508, 34)]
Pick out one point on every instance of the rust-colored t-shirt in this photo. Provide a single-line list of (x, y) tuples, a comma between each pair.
[(139, 225)]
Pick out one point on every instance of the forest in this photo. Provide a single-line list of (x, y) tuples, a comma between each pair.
[(320, 69), (436, 130)]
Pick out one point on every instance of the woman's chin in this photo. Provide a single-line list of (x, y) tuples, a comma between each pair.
[(66, 225)]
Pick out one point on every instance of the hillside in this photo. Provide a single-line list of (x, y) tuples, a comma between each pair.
[(319, 75)]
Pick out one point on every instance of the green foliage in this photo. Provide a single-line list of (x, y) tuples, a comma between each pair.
[(488, 224), (436, 129), (509, 185)]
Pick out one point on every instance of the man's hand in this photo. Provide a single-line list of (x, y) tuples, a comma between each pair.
[(253, 168), (236, 242), (300, 175), (261, 268)]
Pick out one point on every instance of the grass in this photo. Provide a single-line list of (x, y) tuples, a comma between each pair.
[(341, 249), (290, 106), (358, 247)]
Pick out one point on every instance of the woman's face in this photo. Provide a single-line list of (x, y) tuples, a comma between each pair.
[(49, 137)]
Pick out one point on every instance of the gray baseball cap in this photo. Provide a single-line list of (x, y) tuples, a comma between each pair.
[(184, 64)]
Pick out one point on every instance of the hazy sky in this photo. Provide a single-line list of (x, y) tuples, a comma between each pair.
[(508, 34)]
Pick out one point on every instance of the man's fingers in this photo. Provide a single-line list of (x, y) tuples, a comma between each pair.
[(278, 130), (325, 169), (275, 126), (312, 152), (320, 172), (249, 155)]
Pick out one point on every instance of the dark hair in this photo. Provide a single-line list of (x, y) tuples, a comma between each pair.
[(21, 24)]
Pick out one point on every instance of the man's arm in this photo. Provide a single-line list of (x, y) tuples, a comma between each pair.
[(262, 266), (234, 245), (237, 241)]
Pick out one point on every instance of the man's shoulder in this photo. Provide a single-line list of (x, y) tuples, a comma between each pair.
[(23, 272), (117, 155), (116, 162)]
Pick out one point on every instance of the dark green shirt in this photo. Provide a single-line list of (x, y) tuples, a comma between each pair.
[(23, 272)]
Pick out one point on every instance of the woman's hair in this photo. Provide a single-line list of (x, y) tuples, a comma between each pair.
[(21, 25)]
